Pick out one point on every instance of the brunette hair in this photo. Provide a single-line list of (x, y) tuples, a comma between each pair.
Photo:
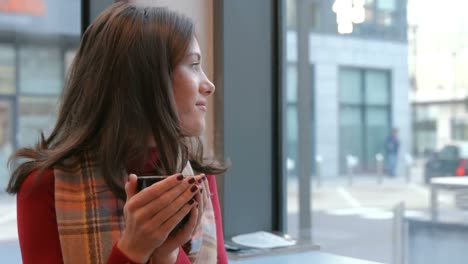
[(117, 95)]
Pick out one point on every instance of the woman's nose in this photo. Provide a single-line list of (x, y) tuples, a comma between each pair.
[(207, 87)]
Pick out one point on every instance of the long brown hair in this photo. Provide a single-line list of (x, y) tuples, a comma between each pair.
[(118, 94)]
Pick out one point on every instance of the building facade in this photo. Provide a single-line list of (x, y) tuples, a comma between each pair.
[(360, 86)]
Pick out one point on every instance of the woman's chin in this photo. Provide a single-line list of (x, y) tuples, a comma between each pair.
[(194, 131)]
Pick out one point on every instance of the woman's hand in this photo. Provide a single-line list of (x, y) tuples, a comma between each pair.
[(161, 255), (152, 214)]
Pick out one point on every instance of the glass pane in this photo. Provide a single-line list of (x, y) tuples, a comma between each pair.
[(386, 5), (6, 146), (7, 69), (350, 86), (69, 56), (37, 77), (403, 67), (36, 114), (377, 130), (377, 87), (292, 134), (291, 13), (291, 89), (351, 135)]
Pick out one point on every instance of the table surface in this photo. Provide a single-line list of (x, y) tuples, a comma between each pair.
[(301, 258), (453, 181)]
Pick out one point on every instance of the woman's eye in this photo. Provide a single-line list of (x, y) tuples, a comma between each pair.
[(195, 65)]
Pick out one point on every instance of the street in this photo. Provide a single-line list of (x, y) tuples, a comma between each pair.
[(357, 220)]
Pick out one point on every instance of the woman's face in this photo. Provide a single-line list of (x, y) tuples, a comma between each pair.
[(191, 89)]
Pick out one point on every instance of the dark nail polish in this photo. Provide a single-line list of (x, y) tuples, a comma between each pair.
[(194, 188), (180, 177), (201, 190), (200, 180), (197, 206), (191, 201), (192, 180)]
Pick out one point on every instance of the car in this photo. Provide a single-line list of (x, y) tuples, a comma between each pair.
[(451, 160)]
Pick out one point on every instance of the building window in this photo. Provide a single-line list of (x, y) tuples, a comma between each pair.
[(37, 77), (425, 129), (364, 115), (386, 10), (314, 9), (7, 69), (459, 128)]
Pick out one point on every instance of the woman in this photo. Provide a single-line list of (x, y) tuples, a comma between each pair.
[(134, 104)]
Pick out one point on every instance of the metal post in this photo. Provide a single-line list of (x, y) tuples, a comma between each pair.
[(304, 90), (318, 164), (379, 161), (408, 164), (350, 163), (434, 203), (398, 256)]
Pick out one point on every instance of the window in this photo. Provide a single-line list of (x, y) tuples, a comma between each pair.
[(33, 62), (7, 69), (364, 116), (386, 12), (459, 130), (362, 90), (37, 78)]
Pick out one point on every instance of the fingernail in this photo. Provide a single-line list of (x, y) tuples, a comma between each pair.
[(180, 177), (201, 190), (191, 201), (197, 206), (192, 180), (128, 178), (194, 188), (200, 180)]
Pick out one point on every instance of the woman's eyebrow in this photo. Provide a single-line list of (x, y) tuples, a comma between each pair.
[(198, 55)]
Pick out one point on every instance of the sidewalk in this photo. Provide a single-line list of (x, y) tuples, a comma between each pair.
[(9, 247), (8, 229)]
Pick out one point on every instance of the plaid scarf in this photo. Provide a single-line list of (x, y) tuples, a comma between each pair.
[(203, 248), (90, 218)]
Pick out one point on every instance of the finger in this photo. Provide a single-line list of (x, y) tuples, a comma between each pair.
[(154, 191), (193, 222), (173, 221), (173, 207), (186, 232), (170, 198), (131, 186)]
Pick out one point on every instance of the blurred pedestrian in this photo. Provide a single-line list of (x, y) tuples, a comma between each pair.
[(392, 144)]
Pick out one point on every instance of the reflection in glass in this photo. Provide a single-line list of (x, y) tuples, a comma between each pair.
[(377, 91), (7, 69), (351, 131), (350, 86), (37, 77), (377, 129), (6, 147), (36, 114)]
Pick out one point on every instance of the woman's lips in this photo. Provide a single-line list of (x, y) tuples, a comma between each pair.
[(202, 107)]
